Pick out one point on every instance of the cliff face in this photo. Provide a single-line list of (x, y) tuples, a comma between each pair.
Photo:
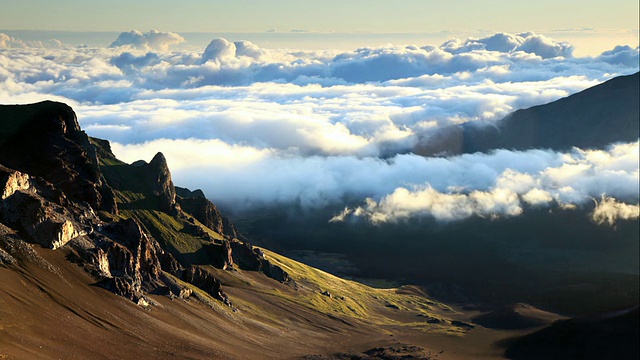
[(45, 140), (123, 223), (163, 186), (196, 204)]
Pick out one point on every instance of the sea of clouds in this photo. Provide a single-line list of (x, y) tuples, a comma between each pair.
[(256, 126)]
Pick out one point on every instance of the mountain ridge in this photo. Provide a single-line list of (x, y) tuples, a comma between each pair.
[(573, 121), (76, 221)]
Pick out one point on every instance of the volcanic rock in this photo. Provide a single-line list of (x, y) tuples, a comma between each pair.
[(45, 140), (205, 281), (196, 204), (251, 258)]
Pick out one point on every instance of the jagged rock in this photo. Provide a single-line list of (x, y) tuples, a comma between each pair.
[(123, 286), (12, 181), (229, 228), (187, 194), (245, 257), (127, 260), (196, 204), (19, 250), (109, 203), (275, 272), (219, 254), (250, 258), (41, 221), (163, 186), (175, 288), (63, 232), (6, 258), (155, 177), (205, 281), (132, 252), (167, 262), (45, 140)]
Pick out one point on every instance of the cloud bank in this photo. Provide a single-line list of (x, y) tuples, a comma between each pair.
[(561, 179), (251, 125), (151, 40)]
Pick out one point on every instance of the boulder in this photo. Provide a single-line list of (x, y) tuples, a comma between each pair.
[(204, 280)]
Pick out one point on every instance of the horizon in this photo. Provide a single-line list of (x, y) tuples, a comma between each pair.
[(591, 26), (586, 42)]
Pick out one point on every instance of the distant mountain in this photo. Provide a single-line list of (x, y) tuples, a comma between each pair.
[(612, 335), (593, 118), (516, 316)]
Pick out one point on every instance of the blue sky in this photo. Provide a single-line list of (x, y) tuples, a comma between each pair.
[(324, 16)]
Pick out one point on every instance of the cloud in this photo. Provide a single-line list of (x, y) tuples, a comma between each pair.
[(609, 211), (569, 179), (621, 55), (7, 42), (128, 62), (545, 47), (528, 42), (503, 183), (151, 40), (241, 63), (252, 125), (219, 50)]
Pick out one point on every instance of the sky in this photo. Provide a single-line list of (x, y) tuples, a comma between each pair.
[(252, 123), (326, 16), (592, 26)]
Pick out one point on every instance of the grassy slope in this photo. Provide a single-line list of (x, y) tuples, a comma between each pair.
[(263, 302)]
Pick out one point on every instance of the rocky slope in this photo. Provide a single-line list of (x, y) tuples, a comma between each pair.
[(55, 193), (76, 221)]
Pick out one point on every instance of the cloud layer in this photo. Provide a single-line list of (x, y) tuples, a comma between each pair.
[(560, 179), (151, 40), (251, 125)]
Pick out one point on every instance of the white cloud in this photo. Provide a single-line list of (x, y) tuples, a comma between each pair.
[(609, 211), (621, 55), (528, 42), (569, 179), (151, 40), (255, 125), (219, 50), (7, 42)]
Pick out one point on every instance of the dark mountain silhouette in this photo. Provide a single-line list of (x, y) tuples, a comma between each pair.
[(612, 335), (515, 316), (593, 118)]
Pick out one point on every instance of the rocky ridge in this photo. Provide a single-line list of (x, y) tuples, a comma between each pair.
[(66, 191)]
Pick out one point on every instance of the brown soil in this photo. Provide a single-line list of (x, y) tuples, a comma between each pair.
[(55, 313)]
